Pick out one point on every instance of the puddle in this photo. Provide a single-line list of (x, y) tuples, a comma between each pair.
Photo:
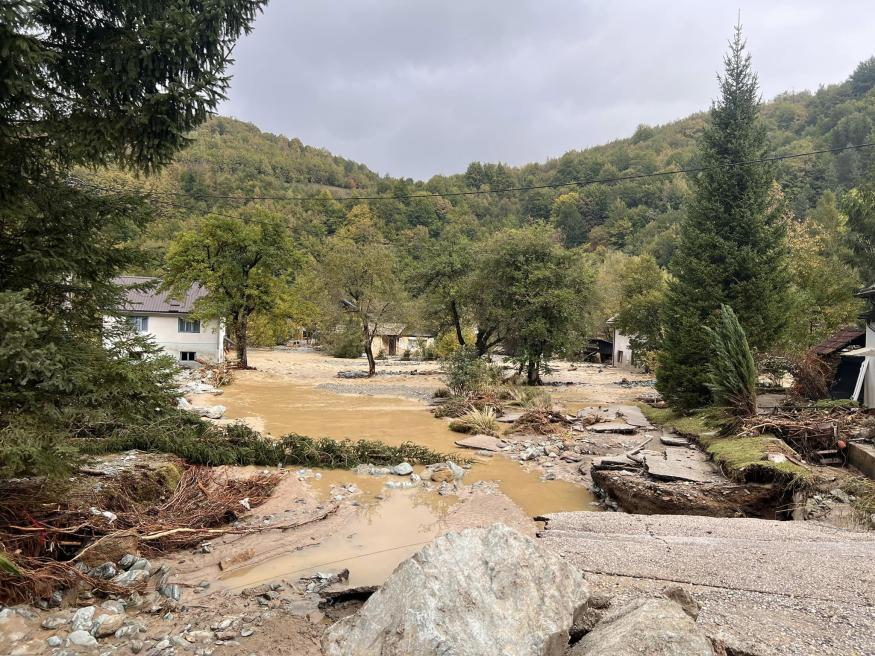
[(387, 530)]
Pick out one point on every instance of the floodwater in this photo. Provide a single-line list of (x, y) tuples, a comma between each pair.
[(390, 524)]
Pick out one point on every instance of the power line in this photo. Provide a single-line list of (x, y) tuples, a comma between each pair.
[(573, 183)]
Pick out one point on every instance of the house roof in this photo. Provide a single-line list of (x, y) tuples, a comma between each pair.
[(400, 330), (842, 338), (151, 301), (868, 292)]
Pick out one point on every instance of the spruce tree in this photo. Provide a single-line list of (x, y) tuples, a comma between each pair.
[(732, 242)]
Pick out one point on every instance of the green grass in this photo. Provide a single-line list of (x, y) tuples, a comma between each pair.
[(477, 422), (740, 458)]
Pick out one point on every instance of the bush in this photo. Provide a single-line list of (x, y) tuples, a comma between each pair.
[(476, 421), (465, 371), (381, 355), (405, 357), (201, 443), (530, 398), (346, 343), (454, 406), (447, 343)]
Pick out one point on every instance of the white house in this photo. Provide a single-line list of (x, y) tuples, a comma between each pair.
[(168, 321), (622, 350)]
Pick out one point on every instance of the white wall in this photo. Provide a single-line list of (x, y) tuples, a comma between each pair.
[(869, 383), (207, 344), (622, 343)]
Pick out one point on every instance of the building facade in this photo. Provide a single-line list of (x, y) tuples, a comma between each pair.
[(169, 322)]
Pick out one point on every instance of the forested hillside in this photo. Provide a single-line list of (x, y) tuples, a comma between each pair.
[(231, 158)]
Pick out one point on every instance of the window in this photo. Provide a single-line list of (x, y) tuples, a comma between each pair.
[(187, 356), (140, 324), (189, 325)]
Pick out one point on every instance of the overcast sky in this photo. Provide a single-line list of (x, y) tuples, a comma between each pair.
[(418, 87)]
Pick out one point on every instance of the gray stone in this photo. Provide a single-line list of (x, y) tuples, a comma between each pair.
[(683, 598), (113, 605), (54, 641), (645, 627), (461, 594), (403, 469), (136, 646), (128, 630), (126, 561), (54, 622), (81, 639), (131, 576), (613, 427), (178, 641), (105, 571), (172, 591), (141, 563), (457, 471), (82, 619), (247, 632), (841, 495), (673, 440), (202, 637), (107, 624)]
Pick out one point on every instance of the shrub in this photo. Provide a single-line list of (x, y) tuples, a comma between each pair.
[(732, 374), (530, 398), (381, 355), (476, 421), (345, 343), (454, 406), (406, 355), (465, 371)]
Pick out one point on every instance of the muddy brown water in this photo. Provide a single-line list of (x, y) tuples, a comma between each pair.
[(390, 524)]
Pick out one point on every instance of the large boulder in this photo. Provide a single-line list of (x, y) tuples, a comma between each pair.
[(486, 591), (645, 627)]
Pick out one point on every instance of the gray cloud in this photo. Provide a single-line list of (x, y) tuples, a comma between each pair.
[(419, 87)]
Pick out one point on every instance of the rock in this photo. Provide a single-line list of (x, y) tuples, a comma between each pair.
[(104, 571), (645, 627), (107, 624), (400, 485), (54, 641), (683, 598), (81, 638), (531, 453), (841, 495), (136, 646), (673, 440), (247, 632), (210, 412), (458, 472), (182, 403), (83, 619), (482, 442), (127, 561), (131, 576), (129, 630), (180, 642), (403, 469), (202, 637), (171, 591), (461, 594), (442, 476), (54, 622), (141, 563)]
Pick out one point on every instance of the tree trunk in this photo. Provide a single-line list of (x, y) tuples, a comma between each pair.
[(241, 337), (457, 323), (533, 376), (481, 343), (369, 349)]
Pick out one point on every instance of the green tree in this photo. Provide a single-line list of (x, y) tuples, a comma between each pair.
[(642, 290), (360, 281), (246, 266), (536, 291), (567, 216), (732, 241), (732, 374), (86, 84), (859, 205)]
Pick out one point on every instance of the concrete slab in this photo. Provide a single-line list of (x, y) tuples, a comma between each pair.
[(612, 427), (510, 417), (862, 456), (482, 443), (766, 588), (673, 440), (680, 464)]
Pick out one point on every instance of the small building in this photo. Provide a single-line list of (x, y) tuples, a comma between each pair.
[(396, 338), (169, 323), (599, 350), (622, 355)]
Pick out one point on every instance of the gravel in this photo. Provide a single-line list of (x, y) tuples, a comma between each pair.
[(766, 587)]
